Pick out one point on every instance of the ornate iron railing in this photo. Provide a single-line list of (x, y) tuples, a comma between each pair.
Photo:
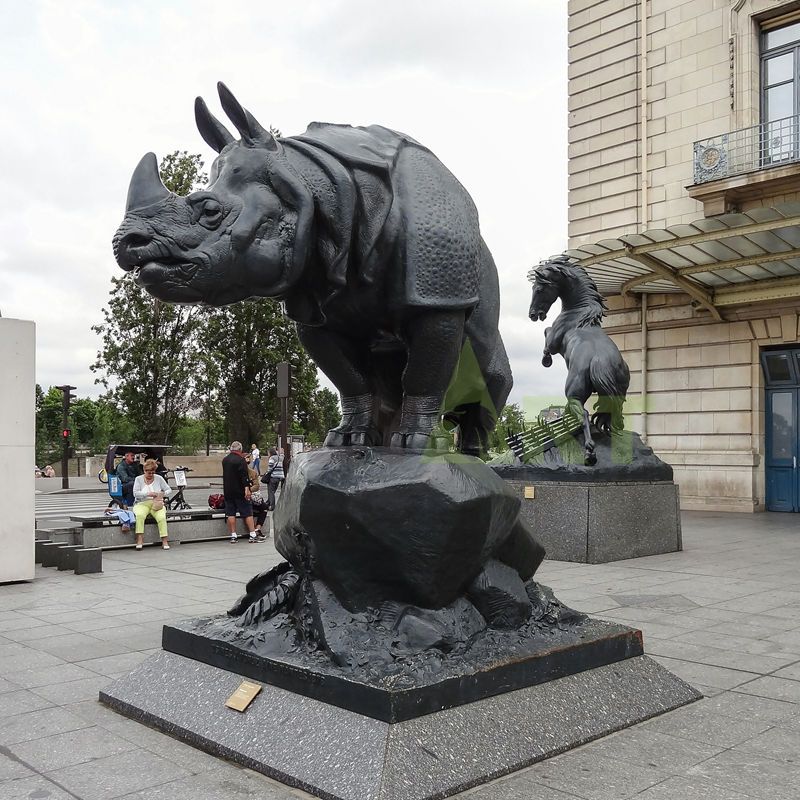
[(769, 144), (542, 435)]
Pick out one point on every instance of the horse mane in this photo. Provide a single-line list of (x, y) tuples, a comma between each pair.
[(592, 306)]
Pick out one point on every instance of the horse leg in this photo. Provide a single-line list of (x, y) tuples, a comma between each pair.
[(547, 358), (578, 391)]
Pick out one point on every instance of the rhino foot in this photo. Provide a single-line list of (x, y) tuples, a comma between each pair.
[(345, 437), (368, 437)]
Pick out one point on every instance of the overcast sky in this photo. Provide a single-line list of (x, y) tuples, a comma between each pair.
[(89, 87)]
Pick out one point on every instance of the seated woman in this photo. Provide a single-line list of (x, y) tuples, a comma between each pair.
[(149, 491)]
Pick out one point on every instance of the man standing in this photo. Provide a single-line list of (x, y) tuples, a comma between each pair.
[(236, 489), (274, 475), (128, 470)]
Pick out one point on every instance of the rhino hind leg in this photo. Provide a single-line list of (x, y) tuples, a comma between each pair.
[(434, 340)]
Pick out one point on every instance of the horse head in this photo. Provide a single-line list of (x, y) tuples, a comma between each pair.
[(546, 289)]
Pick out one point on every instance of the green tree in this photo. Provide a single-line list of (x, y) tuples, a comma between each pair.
[(48, 425), (511, 420), (326, 415), (249, 340), (146, 349)]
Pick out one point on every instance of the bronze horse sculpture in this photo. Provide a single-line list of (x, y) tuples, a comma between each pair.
[(594, 362), (373, 248)]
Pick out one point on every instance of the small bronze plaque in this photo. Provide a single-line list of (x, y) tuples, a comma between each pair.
[(243, 696), (530, 492)]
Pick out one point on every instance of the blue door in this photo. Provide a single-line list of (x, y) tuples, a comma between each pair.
[(782, 372)]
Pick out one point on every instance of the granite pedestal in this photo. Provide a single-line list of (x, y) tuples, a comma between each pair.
[(341, 755), (598, 522), (624, 506)]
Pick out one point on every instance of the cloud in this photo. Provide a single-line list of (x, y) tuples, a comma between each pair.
[(91, 86)]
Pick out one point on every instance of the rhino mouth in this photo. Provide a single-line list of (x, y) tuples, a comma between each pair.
[(155, 272)]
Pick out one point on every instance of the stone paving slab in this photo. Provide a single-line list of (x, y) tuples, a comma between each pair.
[(749, 560)]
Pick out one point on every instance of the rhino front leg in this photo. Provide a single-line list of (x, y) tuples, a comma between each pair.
[(345, 362), (434, 340)]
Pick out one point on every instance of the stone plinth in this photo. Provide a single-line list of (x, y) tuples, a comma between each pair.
[(341, 755), (598, 522)]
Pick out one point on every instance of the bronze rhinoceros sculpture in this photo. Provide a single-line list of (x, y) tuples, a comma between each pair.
[(372, 246)]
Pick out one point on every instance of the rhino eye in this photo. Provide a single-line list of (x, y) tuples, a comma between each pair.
[(210, 214)]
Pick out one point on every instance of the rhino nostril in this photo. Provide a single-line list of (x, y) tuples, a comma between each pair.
[(136, 240)]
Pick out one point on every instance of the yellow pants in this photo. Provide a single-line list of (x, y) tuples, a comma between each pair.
[(145, 507)]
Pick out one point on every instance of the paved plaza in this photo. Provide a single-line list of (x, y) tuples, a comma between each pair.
[(724, 615)]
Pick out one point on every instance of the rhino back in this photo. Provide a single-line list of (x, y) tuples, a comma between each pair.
[(442, 247)]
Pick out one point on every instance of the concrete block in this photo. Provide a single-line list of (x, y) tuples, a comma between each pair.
[(66, 556), (38, 545), (50, 555), (190, 530), (88, 560)]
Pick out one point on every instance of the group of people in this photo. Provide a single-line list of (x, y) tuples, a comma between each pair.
[(144, 492), (44, 472), (241, 487)]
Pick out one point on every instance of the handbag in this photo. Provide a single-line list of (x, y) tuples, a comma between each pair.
[(158, 504), (268, 474), (216, 501)]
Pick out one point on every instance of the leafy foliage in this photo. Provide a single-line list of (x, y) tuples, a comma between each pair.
[(511, 420)]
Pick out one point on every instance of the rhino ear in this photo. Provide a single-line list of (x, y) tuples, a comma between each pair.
[(251, 131), (216, 135)]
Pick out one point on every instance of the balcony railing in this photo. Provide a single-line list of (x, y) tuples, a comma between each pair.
[(770, 144)]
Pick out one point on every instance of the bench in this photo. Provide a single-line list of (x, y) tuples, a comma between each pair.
[(190, 525), (98, 520)]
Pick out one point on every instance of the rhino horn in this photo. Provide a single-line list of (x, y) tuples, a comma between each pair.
[(215, 134), (146, 187), (252, 132)]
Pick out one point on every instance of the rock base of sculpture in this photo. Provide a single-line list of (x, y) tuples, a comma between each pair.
[(340, 755), (405, 685), (626, 506), (378, 524)]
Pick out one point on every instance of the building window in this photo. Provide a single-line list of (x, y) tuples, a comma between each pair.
[(780, 98)]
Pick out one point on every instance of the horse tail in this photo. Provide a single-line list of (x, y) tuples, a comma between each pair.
[(610, 380)]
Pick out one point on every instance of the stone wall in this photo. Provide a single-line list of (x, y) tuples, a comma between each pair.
[(705, 393), (702, 80)]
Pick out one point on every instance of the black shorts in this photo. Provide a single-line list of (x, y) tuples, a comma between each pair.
[(240, 505)]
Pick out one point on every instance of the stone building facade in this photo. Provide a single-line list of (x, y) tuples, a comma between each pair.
[(684, 206)]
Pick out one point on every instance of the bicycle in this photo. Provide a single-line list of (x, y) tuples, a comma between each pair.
[(177, 502)]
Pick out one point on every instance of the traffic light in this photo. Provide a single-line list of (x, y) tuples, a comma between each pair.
[(68, 397), (284, 381), (66, 433)]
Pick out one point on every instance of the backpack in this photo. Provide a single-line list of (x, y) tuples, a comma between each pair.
[(216, 501)]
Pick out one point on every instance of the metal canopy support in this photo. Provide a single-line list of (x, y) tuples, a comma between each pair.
[(693, 290), (717, 261)]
